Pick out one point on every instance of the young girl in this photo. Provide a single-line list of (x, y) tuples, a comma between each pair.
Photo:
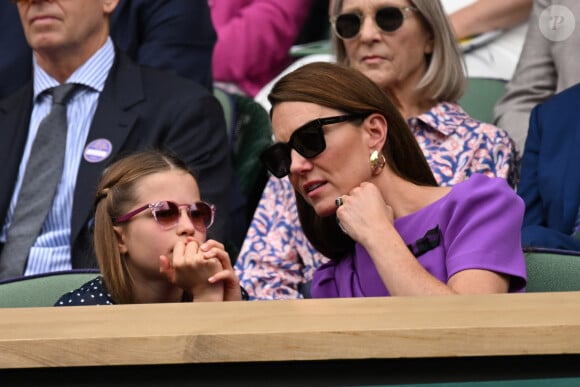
[(150, 238)]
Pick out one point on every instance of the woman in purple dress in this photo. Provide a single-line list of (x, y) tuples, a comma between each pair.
[(368, 200), (408, 48)]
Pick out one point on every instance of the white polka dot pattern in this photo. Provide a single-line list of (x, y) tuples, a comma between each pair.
[(93, 292)]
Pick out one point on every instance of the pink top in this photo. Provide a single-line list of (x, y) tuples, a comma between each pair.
[(254, 39)]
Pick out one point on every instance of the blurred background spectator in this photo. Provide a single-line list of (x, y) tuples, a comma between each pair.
[(491, 43), (491, 34), (254, 40), (548, 65)]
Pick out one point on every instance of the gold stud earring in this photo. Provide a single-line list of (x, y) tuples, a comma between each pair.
[(377, 162)]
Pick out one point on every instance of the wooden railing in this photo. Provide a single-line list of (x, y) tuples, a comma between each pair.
[(292, 331)]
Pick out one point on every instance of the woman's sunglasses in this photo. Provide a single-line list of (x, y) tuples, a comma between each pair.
[(167, 214), (308, 141), (388, 19)]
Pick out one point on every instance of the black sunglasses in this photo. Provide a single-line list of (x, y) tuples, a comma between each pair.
[(166, 214), (308, 140), (388, 19)]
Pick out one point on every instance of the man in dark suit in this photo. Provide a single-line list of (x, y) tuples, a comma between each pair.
[(550, 182), (132, 108), (173, 35)]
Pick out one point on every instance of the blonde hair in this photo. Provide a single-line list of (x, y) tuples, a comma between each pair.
[(116, 195), (444, 80)]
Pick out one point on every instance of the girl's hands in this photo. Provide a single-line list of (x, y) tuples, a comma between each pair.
[(214, 250), (189, 269), (205, 270)]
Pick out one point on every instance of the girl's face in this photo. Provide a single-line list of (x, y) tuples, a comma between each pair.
[(342, 166), (393, 60), (141, 239)]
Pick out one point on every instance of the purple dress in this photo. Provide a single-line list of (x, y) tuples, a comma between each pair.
[(478, 226)]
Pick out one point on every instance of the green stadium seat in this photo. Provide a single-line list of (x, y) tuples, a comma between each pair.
[(42, 290)]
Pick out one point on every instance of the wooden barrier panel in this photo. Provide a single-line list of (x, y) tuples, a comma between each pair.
[(293, 332)]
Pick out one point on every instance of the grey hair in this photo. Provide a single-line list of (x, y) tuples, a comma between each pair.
[(444, 80)]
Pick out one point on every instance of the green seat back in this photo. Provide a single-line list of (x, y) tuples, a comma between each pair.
[(252, 134), (225, 100), (552, 272), (480, 97), (42, 290)]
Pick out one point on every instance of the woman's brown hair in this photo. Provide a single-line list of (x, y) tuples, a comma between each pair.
[(348, 90)]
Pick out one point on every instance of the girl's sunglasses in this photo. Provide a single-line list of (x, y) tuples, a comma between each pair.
[(167, 214), (308, 141), (388, 19)]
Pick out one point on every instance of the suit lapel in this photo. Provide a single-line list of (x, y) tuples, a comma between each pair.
[(114, 119), (15, 112)]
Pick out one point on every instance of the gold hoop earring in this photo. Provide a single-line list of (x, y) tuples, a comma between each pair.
[(377, 162)]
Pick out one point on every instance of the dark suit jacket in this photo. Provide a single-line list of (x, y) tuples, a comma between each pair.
[(550, 177), (138, 108), (174, 35)]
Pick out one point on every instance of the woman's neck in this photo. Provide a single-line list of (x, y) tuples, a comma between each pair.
[(411, 102), (405, 197), (413, 110)]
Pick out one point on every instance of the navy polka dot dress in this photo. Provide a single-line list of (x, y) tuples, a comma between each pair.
[(93, 292)]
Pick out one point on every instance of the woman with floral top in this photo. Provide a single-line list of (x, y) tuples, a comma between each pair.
[(407, 48)]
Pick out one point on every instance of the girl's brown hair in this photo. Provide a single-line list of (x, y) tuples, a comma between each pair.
[(116, 195)]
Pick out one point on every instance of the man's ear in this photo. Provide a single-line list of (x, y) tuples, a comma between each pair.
[(120, 234), (376, 128), (109, 6)]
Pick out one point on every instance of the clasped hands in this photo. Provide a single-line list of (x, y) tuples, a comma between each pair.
[(203, 269)]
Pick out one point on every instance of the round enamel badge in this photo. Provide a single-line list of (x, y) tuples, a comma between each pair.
[(98, 150)]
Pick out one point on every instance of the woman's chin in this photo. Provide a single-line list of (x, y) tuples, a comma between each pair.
[(325, 210)]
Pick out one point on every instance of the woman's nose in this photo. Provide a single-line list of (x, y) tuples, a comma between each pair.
[(369, 29), (298, 163)]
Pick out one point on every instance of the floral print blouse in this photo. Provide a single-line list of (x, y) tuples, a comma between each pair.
[(276, 260)]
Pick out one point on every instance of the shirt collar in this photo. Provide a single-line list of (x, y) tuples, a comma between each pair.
[(93, 73), (445, 117)]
